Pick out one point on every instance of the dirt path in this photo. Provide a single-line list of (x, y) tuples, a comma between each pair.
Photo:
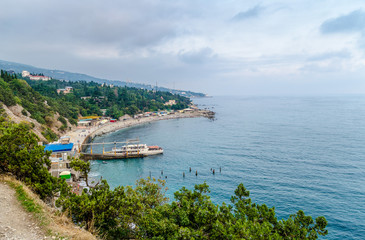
[(15, 222)]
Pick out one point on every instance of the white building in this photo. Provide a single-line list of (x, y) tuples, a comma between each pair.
[(25, 74), (36, 77)]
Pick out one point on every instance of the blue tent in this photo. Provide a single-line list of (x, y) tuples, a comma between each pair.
[(59, 147)]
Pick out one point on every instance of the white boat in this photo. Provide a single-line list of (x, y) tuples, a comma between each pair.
[(138, 149)]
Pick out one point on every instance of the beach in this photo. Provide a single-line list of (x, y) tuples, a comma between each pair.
[(81, 136)]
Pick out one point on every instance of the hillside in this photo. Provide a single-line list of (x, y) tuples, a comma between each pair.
[(69, 76), (51, 113)]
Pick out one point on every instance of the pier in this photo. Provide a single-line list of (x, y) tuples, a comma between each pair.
[(110, 155)]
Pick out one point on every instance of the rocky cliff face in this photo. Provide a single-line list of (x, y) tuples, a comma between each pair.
[(15, 114)]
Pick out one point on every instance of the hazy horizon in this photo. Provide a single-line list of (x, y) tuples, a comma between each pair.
[(257, 48)]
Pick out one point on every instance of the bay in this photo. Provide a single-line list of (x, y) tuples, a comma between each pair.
[(291, 152)]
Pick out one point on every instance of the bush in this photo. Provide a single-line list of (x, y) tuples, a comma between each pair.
[(142, 213), (49, 120), (73, 121), (21, 156), (6, 95), (49, 135), (62, 120), (38, 117), (62, 128), (24, 112)]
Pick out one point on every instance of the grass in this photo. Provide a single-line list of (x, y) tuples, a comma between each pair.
[(27, 202)]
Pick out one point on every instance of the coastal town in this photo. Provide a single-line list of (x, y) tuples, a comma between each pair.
[(75, 143), (73, 139)]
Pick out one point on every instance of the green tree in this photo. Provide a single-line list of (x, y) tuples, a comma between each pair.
[(21, 156), (117, 213), (6, 95), (82, 166)]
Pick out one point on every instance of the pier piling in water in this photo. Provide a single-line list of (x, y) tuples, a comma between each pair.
[(189, 169), (161, 172), (213, 171), (196, 173), (183, 174)]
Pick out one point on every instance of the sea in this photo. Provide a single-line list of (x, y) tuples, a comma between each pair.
[(291, 153)]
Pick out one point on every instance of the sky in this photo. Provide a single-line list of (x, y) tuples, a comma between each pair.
[(217, 47)]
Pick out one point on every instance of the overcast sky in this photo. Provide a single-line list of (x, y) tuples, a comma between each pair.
[(218, 47)]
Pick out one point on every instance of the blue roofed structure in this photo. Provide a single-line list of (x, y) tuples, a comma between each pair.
[(59, 147)]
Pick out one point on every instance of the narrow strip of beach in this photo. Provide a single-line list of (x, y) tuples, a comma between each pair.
[(78, 136)]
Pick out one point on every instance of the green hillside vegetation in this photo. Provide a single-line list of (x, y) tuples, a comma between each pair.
[(143, 212), (116, 100), (41, 100)]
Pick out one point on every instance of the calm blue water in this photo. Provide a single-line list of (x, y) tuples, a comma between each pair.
[(292, 153)]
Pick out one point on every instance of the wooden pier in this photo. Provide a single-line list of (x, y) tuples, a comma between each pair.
[(109, 156)]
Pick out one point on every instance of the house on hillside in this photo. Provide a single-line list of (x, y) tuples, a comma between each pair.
[(35, 77), (170, 102), (25, 74), (65, 90)]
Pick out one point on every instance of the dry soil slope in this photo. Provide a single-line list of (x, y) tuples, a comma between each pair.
[(15, 223)]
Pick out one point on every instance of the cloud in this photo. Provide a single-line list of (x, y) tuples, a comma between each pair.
[(122, 26), (331, 67), (199, 56), (330, 55), (250, 13), (187, 42), (352, 22)]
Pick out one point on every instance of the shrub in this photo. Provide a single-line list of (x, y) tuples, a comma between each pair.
[(62, 120), (24, 112), (49, 135), (21, 156)]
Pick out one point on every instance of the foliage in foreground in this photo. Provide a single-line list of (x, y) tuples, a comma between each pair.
[(82, 167), (143, 212), (21, 156)]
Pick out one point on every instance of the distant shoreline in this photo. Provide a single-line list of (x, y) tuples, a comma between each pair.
[(112, 127)]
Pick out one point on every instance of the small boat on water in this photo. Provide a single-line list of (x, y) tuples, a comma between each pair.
[(131, 149), (138, 149)]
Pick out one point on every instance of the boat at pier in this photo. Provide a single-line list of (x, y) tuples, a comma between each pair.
[(137, 149), (131, 149)]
